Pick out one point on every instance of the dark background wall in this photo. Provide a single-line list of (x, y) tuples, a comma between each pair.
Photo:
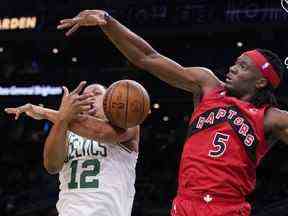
[(193, 33)]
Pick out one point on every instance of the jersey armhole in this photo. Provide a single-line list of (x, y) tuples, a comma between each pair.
[(208, 94)]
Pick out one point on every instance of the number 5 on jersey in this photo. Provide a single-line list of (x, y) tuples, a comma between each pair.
[(220, 144)]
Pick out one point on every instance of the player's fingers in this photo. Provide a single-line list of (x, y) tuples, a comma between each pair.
[(84, 108), (92, 111), (17, 114), (16, 111), (86, 102), (73, 29), (71, 20), (65, 25), (85, 97), (65, 91), (10, 110), (79, 88)]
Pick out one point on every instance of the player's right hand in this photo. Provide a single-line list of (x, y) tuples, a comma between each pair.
[(73, 103), (29, 109), (84, 18)]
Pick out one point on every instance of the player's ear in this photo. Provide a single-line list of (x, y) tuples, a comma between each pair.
[(261, 83)]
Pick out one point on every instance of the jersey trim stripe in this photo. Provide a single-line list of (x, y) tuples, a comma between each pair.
[(203, 122), (125, 148)]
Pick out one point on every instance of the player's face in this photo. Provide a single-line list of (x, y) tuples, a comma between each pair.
[(242, 77), (98, 92)]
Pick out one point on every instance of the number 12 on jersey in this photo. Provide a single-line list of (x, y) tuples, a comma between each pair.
[(95, 164), (220, 144)]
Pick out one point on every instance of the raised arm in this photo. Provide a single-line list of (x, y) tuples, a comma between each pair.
[(141, 54), (56, 148)]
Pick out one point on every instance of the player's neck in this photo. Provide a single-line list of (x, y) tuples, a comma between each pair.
[(243, 97), (246, 98)]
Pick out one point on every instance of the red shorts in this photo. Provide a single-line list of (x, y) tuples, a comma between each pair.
[(209, 205)]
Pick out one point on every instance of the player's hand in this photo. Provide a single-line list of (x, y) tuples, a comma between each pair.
[(73, 103), (84, 18), (28, 109)]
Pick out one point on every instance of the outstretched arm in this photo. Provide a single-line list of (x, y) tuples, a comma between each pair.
[(141, 54), (83, 125), (97, 129), (33, 111)]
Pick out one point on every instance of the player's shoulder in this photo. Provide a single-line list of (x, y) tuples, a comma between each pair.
[(274, 112), (134, 132), (205, 78), (274, 117), (204, 72), (131, 138), (201, 70)]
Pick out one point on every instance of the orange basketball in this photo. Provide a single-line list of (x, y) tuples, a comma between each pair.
[(126, 103)]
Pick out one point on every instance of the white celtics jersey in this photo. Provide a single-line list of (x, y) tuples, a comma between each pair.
[(97, 179)]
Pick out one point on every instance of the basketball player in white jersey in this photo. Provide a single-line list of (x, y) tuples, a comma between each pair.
[(95, 161)]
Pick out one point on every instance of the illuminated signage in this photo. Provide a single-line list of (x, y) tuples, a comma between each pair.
[(18, 23), (32, 90)]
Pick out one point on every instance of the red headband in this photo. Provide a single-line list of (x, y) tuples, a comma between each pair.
[(264, 66)]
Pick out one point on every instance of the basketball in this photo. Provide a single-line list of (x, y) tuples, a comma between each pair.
[(126, 103)]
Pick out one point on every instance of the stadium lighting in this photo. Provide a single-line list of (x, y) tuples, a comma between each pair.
[(239, 44), (156, 106), (55, 50), (165, 118)]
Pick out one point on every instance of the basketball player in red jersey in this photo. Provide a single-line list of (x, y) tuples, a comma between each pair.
[(230, 129)]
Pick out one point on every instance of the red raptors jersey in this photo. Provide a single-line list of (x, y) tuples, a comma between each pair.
[(225, 143)]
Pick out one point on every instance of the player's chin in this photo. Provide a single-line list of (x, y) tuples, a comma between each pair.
[(231, 89), (228, 85)]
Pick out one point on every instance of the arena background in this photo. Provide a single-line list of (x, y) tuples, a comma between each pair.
[(192, 32)]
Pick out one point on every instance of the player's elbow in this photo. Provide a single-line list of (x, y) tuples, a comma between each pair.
[(52, 168)]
